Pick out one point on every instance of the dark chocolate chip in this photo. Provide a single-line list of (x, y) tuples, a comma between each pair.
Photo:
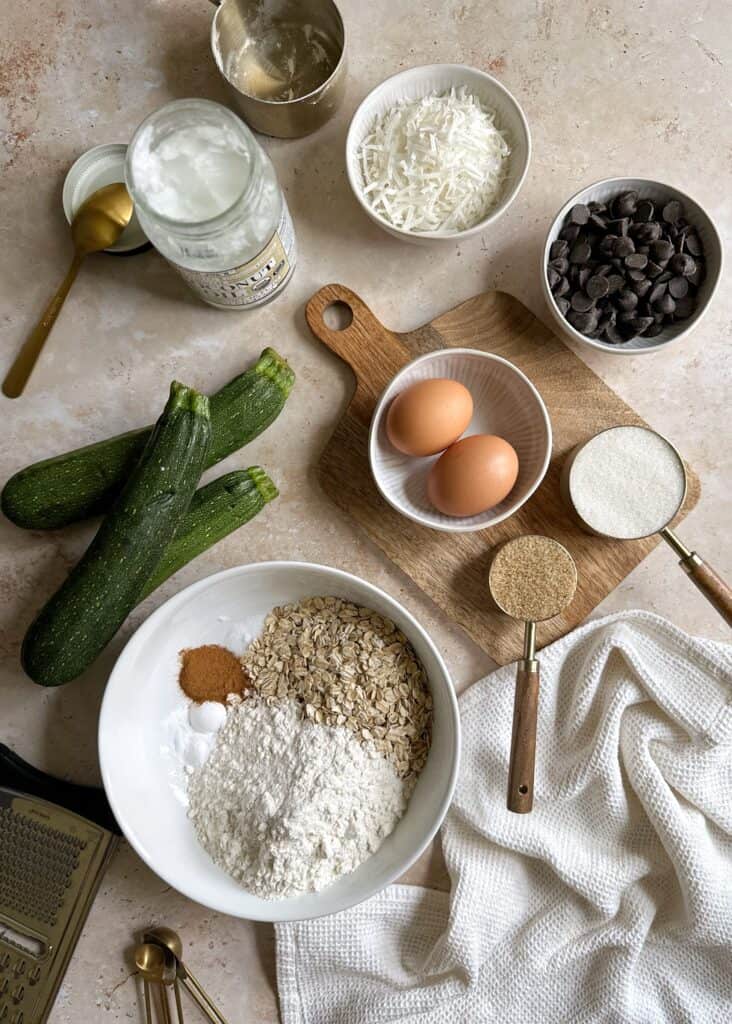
[(678, 287), (672, 211), (623, 247), (599, 221), (560, 264), (625, 204), (659, 289), (607, 245), (615, 282), (570, 232), (641, 288), (664, 276), (666, 304), (698, 276), (653, 269), (579, 214), (584, 276), (653, 330), (662, 250), (647, 232), (693, 244), (620, 226), (644, 210), (597, 287), (553, 278), (580, 253), (684, 308), (562, 288), (604, 269), (558, 249), (562, 306), (627, 299), (613, 335), (636, 261), (683, 264), (586, 321), (642, 323), (582, 302)]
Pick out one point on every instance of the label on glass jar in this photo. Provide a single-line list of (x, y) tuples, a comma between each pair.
[(254, 282)]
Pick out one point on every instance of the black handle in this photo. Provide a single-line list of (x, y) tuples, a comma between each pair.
[(88, 801)]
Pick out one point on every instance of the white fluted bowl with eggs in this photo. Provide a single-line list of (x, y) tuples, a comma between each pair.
[(505, 405)]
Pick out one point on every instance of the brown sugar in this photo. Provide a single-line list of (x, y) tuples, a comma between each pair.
[(211, 672)]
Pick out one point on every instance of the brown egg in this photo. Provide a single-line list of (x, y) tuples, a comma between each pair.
[(428, 416), (473, 475)]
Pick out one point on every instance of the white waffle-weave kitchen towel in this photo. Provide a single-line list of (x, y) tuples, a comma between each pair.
[(611, 901)]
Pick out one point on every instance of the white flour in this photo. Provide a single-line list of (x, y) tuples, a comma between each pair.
[(286, 806)]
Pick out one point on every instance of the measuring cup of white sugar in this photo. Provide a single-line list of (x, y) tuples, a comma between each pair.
[(629, 482), (284, 61)]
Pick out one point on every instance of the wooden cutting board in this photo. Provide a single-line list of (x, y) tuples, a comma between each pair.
[(453, 568)]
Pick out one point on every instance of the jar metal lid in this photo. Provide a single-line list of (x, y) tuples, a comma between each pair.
[(94, 169)]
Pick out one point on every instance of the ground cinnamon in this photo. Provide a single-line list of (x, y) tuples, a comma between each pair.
[(211, 672)]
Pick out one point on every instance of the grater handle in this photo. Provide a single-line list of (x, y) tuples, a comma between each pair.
[(88, 801)]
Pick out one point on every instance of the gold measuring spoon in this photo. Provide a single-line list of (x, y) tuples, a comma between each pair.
[(157, 967), (97, 224), (171, 941), (531, 578), (583, 468)]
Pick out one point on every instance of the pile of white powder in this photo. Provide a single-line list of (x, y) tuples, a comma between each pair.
[(627, 482), (285, 806)]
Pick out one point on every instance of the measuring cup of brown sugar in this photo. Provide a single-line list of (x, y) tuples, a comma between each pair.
[(628, 483), (532, 578), (285, 61)]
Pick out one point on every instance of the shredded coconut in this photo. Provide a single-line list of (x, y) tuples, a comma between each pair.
[(434, 164), (627, 482), (285, 806)]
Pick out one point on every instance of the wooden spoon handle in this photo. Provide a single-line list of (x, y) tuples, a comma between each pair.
[(523, 740), (714, 588), (20, 371)]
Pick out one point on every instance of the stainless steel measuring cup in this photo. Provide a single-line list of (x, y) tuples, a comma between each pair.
[(712, 586), (284, 60)]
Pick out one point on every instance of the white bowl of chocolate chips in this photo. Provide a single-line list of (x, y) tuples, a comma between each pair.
[(630, 265)]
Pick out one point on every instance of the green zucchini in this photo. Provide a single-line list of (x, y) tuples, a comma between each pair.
[(82, 483), (216, 510), (95, 599)]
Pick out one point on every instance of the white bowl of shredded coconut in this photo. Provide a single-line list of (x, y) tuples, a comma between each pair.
[(437, 153), (273, 808)]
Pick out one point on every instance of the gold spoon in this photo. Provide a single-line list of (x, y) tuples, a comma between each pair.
[(154, 964), (98, 223), (171, 941)]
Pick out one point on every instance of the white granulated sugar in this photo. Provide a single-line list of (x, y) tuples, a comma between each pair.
[(286, 806), (627, 482)]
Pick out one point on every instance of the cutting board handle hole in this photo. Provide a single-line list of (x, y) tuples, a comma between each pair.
[(523, 790), (338, 316)]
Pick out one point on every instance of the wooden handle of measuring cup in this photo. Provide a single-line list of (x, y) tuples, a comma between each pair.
[(523, 740), (714, 588)]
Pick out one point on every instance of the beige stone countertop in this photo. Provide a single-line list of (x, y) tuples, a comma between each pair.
[(621, 87)]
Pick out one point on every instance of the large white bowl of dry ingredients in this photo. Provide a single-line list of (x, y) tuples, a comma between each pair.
[(437, 153), (180, 776)]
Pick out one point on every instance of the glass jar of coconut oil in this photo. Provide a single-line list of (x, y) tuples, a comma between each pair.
[(208, 198)]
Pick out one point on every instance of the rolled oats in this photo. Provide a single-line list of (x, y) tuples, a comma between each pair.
[(348, 666)]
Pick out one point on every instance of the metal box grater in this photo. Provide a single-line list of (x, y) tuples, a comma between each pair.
[(51, 864)]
